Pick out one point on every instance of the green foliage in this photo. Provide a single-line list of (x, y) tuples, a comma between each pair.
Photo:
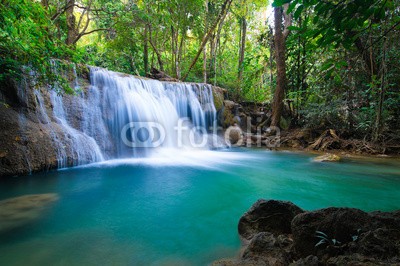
[(339, 58), (25, 44), (342, 56)]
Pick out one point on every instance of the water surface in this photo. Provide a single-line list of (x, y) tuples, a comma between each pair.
[(179, 208)]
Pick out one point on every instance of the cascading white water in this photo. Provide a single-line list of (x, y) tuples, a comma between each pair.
[(57, 144), (117, 112), (84, 148), (118, 100)]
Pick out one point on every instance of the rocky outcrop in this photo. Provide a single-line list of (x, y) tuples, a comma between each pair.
[(253, 122), (280, 233), (29, 131), (268, 216), (26, 145)]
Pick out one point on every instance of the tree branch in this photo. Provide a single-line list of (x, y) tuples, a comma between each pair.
[(288, 21), (224, 12), (383, 35), (89, 32)]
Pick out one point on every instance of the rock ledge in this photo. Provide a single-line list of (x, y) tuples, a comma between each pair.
[(280, 233)]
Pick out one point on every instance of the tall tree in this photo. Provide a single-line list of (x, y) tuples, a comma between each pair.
[(71, 23), (224, 10), (205, 47), (281, 33), (242, 46)]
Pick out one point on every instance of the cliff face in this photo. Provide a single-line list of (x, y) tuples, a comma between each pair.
[(29, 130), (37, 134)]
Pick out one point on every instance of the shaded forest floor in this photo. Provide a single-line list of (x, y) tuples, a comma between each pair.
[(254, 119), (329, 141)]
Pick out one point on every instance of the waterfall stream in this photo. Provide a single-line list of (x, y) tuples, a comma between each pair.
[(121, 116)]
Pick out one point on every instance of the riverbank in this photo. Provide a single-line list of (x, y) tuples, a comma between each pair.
[(281, 233), (248, 125)]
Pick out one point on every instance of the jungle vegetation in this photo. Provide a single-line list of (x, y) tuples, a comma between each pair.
[(335, 63)]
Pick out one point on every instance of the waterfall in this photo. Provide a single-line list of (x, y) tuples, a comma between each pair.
[(117, 101), (122, 116), (83, 148), (46, 123)]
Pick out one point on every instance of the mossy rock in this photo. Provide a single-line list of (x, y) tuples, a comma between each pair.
[(228, 118), (218, 98), (284, 124), (83, 71)]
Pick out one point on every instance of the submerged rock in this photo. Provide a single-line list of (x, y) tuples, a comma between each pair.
[(327, 158), (20, 211)]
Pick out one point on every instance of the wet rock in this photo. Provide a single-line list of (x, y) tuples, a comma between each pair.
[(389, 220), (265, 247), (351, 236), (229, 114), (20, 211), (383, 243), (327, 158), (340, 224), (218, 95), (354, 259), (268, 216), (234, 135), (309, 261)]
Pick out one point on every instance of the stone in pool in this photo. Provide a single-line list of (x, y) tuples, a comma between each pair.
[(20, 211), (327, 158)]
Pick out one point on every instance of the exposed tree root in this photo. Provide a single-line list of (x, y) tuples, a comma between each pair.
[(329, 140)]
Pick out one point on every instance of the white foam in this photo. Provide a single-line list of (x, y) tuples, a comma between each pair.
[(178, 157)]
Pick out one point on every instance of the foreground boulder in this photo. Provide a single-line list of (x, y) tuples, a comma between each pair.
[(272, 216), (20, 211), (280, 233), (340, 224)]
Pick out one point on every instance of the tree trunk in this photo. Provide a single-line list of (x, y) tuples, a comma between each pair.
[(173, 50), (146, 50), (243, 30), (221, 16), (72, 32), (159, 57), (205, 64), (272, 48), (378, 122), (368, 58), (277, 105), (205, 46), (179, 56)]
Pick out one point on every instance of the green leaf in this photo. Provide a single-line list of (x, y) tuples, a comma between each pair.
[(294, 28), (278, 3), (322, 241), (316, 19), (321, 233), (298, 11), (327, 66)]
